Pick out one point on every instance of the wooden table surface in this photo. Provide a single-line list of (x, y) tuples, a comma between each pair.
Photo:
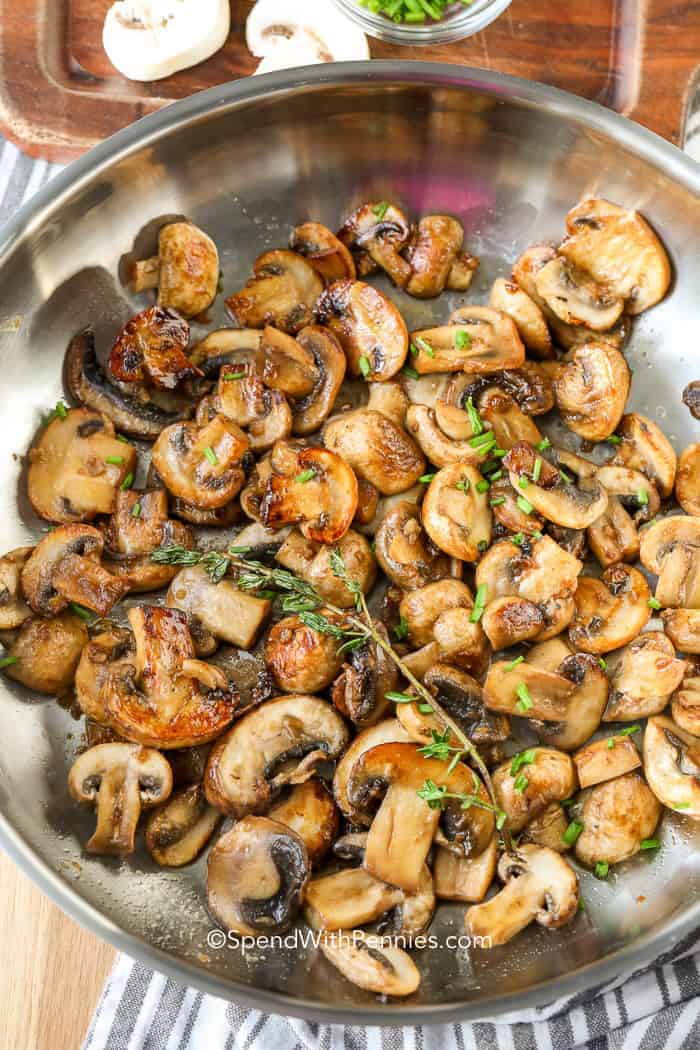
[(51, 970)]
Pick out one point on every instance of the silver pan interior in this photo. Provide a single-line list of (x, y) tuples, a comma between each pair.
[(246, 162)]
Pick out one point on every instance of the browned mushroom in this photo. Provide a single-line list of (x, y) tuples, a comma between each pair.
[(508, 297), (569, 501), (309, 810), (326, 253), (185, 271), (45, 654), (617, 817), (137, 527), (382, 231), (65, 567), (672, 765), (311, 487), (180, 828), (405, 552), (456, 513), (611, 611), (150, 351), (683, 628), (575, 297), (282, 292), (688, 480), (301, 659), (202, 464), (217, 610), (242, 397), (368, 326), (436, 258), (671, 549), (312, 562), (642, 677), (464, 878), (110, 650), (685, 702), (120, 780), (525, 790), (367, 961), (645, 448), (591, 388), (13, 609), (477, 339), (606, 759), (384, 732)]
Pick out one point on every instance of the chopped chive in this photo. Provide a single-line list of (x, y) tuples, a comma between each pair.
[(127, 482), (628, 730), (409, 372), (381, 209), (524, 482), (495, 476), (536, 535), (124, 440), (642, 497), (537, 470), (497, 500), (424, 345), (115, 461), (463, 340), (566, 478), (602, 663), (572, 832), (601, 869), (230, 376), (474, 417), (211, 455), (414, 349), (426, 709), (520, 784), (479, 604), (568, 802), (482, 486), (681, 805), (425, 479), (136, 512), (524, 758), (482, 545), (611, 743), (7, 661), (464, 484), (525, 505), (525, 701), (80, 610), (401, 629), (543, 445), (400, 698), (654, 604), (306, 475), (581, 904), (518, 539), (364, 366), (500, 819), (514, 663), (614, 439), (59, 412), (649, 844)]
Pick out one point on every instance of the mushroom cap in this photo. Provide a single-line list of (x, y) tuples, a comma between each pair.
[(46, 653), (611, 611), (644, 447), (592, 389), (575, 297), (617, 816), (688, 480), (309, 810), (432, 254), (462, 697), (477, 339), (347, 899), (180, 828), (69, 477), (315, 488), (151, 350), (457, 521), (311, 562), (672, 765), (281, 742), (382, 231), (619, 248), (256, 877), (643, 676), (404, 551), (671, 549), (548, 828), (599, 761), (301, 659), (202, 464), (441, 450), (378, 450), (366, 960), (536, 570), (282, 292), (367, 325), (572, 505), (310, 411), (508, 297), (683, 628), (326, 253), (139, 525), (551, 777), (247, 402), (422, 607), (65, 567), (13, 609), (387, 731), (106, 652), (189, 269), (506, 419)]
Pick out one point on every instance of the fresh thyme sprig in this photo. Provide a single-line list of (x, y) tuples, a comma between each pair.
[(352, 628)]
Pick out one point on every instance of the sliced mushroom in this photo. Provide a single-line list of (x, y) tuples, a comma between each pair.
[(573, 503), (611, 611), (575, 297), (45, 653), (688, 480), (139, 415), (421, 422), (683, 628), (455, 515), (436, 259), (226, 346), (441, 613), (13, 609), (603, 760), (219, 610), (300, 658), (672, 765), (109, 651), (388, 731), (368, 326), (526, 793), (312, 487), (506, 419), (477, 339), (326, 253), (405, 825), (509, 298), (202, 464), (382, 231), (150, 351), (281, 742), (65, 567), (185, 271), (691, 398), (671, 549), (619, 248), (77, 467), (404, 551), (529, 264), (617, 817), (312, 562), (282, 292), (243, 398), (359, 691), (310, 411), (464, 878), (548, 828), (309, 810), (645, 448), (120, 780), (256, 876), (166, 698), (685, 702), (365, 960), (347, 899), (633, 501), (591, 388), (178, 831), (137, 527), (380, 452), (539, 886), (643, 676)]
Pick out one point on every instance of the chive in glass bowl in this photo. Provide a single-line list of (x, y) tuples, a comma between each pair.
[(458, 20)]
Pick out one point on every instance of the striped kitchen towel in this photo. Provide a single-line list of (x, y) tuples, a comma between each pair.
[(656, 1009)]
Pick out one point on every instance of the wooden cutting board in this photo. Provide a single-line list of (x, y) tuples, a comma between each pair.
[(59, 95)]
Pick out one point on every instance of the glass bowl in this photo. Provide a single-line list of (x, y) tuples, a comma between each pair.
[(457, 24)]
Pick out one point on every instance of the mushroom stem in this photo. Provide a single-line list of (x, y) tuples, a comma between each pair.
[(146, 274)]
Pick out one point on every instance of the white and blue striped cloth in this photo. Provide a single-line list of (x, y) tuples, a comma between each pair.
[(657, 1009)]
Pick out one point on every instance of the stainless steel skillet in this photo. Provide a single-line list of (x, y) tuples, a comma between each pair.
[(246, 161)]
